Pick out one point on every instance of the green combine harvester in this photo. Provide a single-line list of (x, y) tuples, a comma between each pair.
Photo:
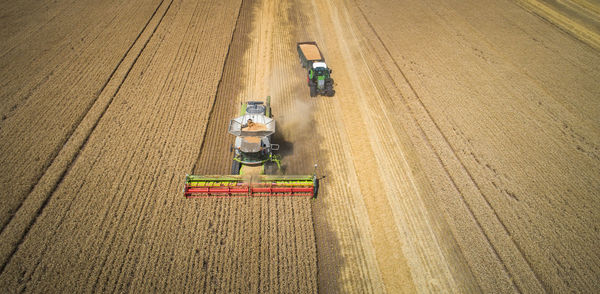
[(254, 168)]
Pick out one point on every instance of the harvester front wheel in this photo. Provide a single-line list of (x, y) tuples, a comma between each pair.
[(270, 168), (235, 167), (315, 187)]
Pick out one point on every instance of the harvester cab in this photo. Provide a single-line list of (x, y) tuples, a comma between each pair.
[(255, 167)]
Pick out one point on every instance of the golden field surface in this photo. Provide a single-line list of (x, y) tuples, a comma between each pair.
[(460, 153)]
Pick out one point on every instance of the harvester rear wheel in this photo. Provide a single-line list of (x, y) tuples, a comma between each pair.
[(270, 168)]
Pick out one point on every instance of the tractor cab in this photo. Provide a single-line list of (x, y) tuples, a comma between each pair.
[(320, 71)]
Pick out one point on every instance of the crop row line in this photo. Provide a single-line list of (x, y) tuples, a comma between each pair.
[(447, 171), (73, 157), (219, 88)]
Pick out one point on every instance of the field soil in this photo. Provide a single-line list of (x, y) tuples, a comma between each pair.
[(460, 153)]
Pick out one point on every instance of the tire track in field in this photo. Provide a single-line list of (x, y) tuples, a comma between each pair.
[(572, 123), (345, 252), (21, 156), (155, 151), (16, 230), (445, 244), (532, 279), (428, 265), (77, 123), (446, 169), (430, 117), (579, 21), (186, 52), (186, 68), (131, 200), (462, 163), (189, 208), (366, 156)]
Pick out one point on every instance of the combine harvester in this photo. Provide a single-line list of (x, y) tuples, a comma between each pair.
[(254, 167), (318, 76)]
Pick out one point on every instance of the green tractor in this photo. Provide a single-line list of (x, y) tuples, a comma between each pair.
[(319, 75)]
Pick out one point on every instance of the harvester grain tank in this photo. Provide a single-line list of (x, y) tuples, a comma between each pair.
[(254, 165), (318, 74)]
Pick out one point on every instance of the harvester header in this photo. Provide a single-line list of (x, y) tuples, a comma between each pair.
[(255, 186)]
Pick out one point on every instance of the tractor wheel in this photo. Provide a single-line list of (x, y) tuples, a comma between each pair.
[(235, 167), (313, 90), (329, 91)]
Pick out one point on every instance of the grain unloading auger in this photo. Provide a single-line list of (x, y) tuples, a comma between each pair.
[(254, 166)]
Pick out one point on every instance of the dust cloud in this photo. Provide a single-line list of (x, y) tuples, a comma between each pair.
[(294, 115)]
